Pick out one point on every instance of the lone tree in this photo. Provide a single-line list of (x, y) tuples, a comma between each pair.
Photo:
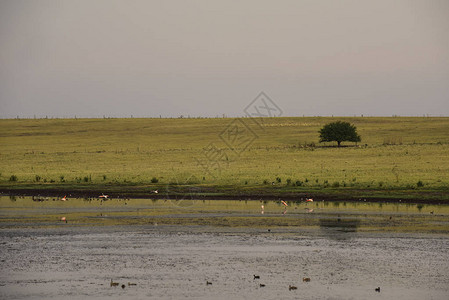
[(339, 131)]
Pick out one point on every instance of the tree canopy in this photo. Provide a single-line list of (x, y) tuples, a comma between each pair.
[(339, 131)]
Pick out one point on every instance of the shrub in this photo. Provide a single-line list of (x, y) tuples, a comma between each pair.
[(61, 178), (86, 178), (288, 181), (104, 177), (154, 180), (298, 183), (336, 184), (420, 184), (278, 179), (37, 178), (265, 181), (13, 178)]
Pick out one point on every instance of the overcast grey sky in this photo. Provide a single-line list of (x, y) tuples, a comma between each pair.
[(207, 58)]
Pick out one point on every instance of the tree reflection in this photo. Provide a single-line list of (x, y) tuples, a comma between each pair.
[(338, 227)]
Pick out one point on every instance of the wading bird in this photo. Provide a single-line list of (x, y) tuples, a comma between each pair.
[(64, 198), (103, 196)]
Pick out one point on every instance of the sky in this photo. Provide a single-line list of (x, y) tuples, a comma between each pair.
[(210, 58)]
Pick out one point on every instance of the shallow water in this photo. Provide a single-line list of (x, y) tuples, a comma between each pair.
[(42, 257)]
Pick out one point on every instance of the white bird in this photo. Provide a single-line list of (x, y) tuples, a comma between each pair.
[(155, 191)]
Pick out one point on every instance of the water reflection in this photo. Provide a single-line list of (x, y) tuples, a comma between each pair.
[(338, 227), (334, 219)]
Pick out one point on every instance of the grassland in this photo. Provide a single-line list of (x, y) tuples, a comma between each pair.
[(398, 158)]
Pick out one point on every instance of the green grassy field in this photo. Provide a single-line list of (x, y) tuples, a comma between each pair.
[(401, 157)]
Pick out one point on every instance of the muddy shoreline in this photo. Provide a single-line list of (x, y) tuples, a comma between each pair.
[(248, 197)]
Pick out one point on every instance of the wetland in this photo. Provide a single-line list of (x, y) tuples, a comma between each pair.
[(170, 249)]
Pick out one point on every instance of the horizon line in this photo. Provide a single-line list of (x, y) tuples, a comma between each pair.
[(215, 117)]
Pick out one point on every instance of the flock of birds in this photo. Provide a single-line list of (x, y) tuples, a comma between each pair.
[(103, 196), (123, 286), (290, 287)]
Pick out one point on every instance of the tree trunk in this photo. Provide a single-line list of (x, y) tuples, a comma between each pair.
[(338, 143)]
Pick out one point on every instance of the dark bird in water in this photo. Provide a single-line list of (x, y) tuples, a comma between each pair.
[(262, 285), (306, 279), (208, 283), (292, 287), (114, 283), (123, 286), (377, 289), (130, 283), (256, 277)]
